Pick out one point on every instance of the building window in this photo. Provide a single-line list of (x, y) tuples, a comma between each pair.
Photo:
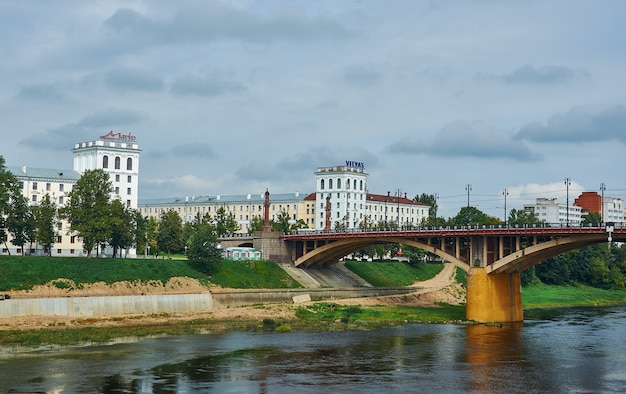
[(61, 187), (59, 239), (61, 200), (129, 179), (58, 251), (117, 190), (128, 191), (34, 185), (129, 164), (34, 198), (105, 161), (71, 251), (338, 183), (117, 177), (117, 162), (322, 184), (73, 239), (361, 185), (47, 186), (330, 183)]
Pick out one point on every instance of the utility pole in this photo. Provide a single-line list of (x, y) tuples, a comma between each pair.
[(602, 189), (505, 193), (436, 196), (468, 187), (567, 183)]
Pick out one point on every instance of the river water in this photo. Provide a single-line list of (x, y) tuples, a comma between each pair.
[(557, 351)]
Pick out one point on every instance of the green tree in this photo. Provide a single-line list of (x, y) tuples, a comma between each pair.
[(88, 209), (170, 235), (521, 217), (140, 233), (472, 216), (122, 221), (152, 231), (20, 221), (225, 223), (45, 215), (285, 224), (256, 225), (203, 251), (431, 200), (592, 218)]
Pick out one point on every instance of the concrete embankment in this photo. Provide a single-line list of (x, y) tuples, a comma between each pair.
[(174, 303)]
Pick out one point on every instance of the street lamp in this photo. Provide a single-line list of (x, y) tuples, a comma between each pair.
[(468, 187), (602, 189), (567, 183), (505, 193)]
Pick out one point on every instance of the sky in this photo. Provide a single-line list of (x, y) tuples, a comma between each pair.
[(241, 96)]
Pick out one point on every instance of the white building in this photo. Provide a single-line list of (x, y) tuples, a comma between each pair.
[(551, 211), (613, 209), (115, 153), (345, 189)]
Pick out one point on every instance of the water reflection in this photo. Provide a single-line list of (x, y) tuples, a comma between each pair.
[(568, 351)]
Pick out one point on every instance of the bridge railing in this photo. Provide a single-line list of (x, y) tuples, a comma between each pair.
[(477, 228)]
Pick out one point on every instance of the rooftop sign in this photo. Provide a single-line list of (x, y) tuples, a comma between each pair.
[(356, 164), (118, 136)]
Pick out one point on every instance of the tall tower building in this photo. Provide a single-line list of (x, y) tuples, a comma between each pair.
[(347, 188), (118, 155)]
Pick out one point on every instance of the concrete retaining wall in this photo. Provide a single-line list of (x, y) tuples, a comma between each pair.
[(106, 305), (172, 303)]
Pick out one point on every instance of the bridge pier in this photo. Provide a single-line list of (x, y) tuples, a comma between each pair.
[(493, 297)]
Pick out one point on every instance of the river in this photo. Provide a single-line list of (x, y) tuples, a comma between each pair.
[(556, 351)]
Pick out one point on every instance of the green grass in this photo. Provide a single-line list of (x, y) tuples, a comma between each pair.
[(546, 296), (24, 272), (356, 317), (253, 275), (393, 274)]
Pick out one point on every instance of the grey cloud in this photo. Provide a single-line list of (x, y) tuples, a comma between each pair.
[(205, 86), (362, 77), (132, 79), (547, 75), (217, 20), (466, 139), (579, 124), (86, 129), (41, 92), (187, 151)]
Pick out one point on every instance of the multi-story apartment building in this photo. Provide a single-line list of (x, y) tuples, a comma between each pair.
[(610, 209), (551, 211), (115, 153), (243, 207)]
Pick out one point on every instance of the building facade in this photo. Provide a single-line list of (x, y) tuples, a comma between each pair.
[(344, 190), (115, 153), (610, 209), (551, 211)]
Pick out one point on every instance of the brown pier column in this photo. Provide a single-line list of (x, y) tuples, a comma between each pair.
[(494, 297)]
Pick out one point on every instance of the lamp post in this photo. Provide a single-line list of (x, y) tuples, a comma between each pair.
[(602, 189), (468, 187), (567, 183), (505, 193), (436, 196)]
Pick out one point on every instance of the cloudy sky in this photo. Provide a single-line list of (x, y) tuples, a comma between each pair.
[(240, 96)]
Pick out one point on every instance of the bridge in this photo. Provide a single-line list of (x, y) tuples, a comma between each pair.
[(493, 255)]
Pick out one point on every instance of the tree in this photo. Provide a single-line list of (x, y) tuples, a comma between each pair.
[(45, 215), (170, 235), (471, 216), (122, 227), (431, 200), (256, 224), (521, 217), (225, 223), (152, 231), (8, 187), (203, 251), (88, 209), (20, 221), (592, 218)]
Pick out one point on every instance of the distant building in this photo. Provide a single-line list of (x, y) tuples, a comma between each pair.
[(551, 211), (611, 208), (115, 153)]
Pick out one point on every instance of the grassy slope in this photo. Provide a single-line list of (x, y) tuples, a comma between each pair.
[(392, 274), (542, 296)]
